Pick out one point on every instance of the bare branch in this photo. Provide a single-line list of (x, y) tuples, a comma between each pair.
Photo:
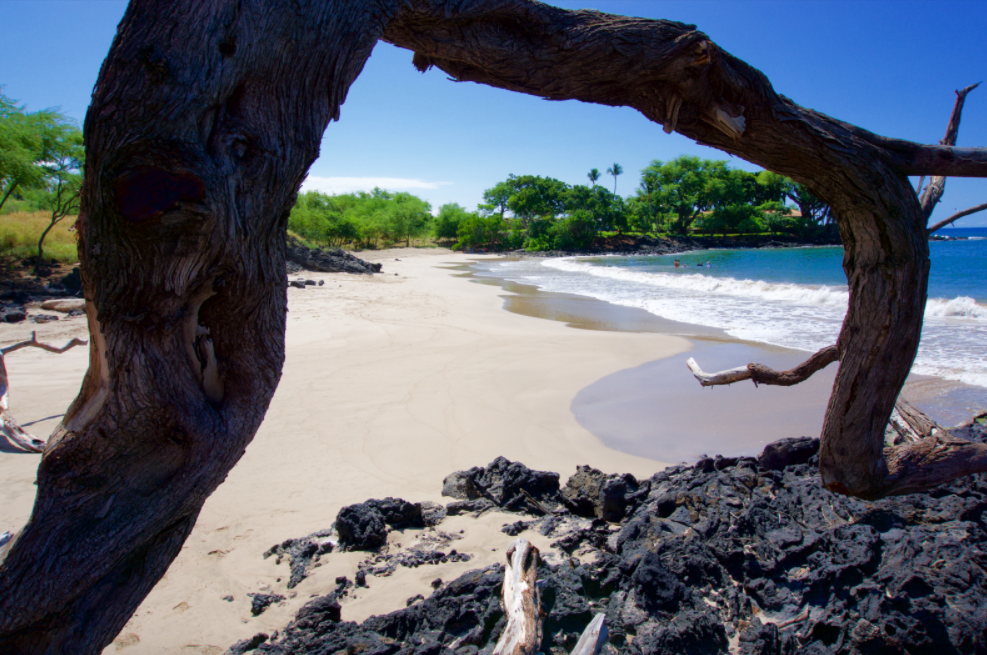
[(761, 374), (33, 341), (937, 185), (958, 215)]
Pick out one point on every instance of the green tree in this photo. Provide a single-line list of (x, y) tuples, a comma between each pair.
[(446, 225), (495, 198), (30, 143), (533, 196), (65, 158), (593, 175), (408, 217), (615, 170)]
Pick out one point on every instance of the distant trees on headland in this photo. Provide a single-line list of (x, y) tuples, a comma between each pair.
[(687, 195)]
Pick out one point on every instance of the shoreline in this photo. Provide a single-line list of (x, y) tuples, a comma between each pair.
[(663, 393), (391, 383)]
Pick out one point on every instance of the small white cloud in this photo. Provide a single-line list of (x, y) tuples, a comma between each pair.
[(350, 184)]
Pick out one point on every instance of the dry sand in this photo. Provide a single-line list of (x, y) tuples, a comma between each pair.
[(391, 383)]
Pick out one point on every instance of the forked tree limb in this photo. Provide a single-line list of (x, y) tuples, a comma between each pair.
[(9, 427), (522, 603), (958, 215), (931, 195)]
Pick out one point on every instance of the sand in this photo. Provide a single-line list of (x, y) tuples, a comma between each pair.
[(391, 383)]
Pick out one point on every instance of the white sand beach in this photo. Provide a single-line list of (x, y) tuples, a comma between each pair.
[(391, 383)]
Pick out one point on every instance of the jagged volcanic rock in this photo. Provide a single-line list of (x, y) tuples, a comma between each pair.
[(724, 552), (331, 260)]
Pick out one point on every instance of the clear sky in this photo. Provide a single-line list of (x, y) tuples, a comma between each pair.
[(888, 66)]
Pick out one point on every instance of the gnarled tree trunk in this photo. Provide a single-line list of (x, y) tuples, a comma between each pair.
[(204, 121)]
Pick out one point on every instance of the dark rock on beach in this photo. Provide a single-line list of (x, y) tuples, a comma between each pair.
[(507, 485), (260, 602), (752, 552), (591, 493), (788, 452), (364, 526), (301, 553), (326, 260)]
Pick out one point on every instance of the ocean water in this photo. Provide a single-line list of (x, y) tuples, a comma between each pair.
[(790, 297)]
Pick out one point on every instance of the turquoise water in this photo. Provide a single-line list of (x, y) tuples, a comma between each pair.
[(959, 268), (791, 297)]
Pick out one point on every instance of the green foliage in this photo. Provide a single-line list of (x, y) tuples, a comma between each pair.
[(38, 153), (446, 225), (482, 233), (364, 219)]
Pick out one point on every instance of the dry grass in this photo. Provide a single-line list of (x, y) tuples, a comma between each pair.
[(20, 231)]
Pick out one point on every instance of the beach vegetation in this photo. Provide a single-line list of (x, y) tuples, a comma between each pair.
[(41, 161)]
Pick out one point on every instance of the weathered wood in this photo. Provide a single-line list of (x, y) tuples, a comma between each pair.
[(9, 427), (522, 603), (593, 637), (761, 374), (930, 196)]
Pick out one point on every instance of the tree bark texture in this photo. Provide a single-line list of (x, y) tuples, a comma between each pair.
[(203, 123)]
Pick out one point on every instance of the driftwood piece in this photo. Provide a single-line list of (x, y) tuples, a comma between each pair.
[(9, 427), (593, 637), (522, 604), (761, 374)]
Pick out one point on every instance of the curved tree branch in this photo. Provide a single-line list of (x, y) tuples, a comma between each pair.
[(958, 215)]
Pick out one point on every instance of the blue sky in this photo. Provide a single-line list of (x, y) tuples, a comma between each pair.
[(888, 66)]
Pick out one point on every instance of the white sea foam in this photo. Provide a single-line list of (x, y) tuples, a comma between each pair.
[(961, 307), (790, 315)]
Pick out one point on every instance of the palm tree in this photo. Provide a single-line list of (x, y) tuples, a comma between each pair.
[(615, 170), (593, 176)]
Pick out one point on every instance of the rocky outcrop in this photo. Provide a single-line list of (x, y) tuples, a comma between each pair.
[(327, 260), (504, 484), (752, 552)]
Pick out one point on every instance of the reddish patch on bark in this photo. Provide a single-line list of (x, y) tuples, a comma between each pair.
[(145, 193)]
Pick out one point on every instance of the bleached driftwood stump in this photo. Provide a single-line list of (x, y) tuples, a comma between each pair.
[(522, 604)]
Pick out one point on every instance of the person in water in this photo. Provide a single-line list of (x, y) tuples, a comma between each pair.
[(676, 263)]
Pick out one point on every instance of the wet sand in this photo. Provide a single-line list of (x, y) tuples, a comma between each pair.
[(660, 411)]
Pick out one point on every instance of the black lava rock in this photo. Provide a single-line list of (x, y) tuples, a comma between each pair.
[(364, 526), (591, 493), (788, 452), (506, 484), (301, 553), (247, 645), (728, 551), (261, 602), (332, 260)]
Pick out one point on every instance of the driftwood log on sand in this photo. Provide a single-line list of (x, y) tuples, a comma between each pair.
[(9, 427)]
